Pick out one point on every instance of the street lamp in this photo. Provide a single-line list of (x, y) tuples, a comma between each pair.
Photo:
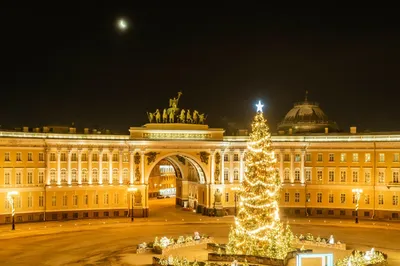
[(10, 198), (357, 193), (235, 189), (132, 190)]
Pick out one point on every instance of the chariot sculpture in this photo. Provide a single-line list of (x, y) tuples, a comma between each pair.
[(173, 114)]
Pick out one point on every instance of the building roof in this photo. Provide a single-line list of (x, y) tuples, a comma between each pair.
[(306, 117)]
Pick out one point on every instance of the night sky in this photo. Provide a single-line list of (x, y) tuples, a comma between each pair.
[(70, 63)]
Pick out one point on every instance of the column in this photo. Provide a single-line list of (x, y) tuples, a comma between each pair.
[(110, 167), (212, 167), (79, 166), (231, 166), (69, 167), (241, 166), (302, 166), (281, 172), (48, 166), (90, 154), (120, 170), (100, 173), (58, 167), (142, 166), (222, 167), (131, 169), (291, 166)]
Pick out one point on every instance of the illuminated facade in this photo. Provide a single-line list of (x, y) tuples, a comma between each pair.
[(72, 176)]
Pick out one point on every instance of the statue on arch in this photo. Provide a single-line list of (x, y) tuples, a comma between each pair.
[(157, 115), (150, 116), (173, 103), (195, 116), (172, 117), (188, 117), (182, 116), (165, 116), (202, 118)]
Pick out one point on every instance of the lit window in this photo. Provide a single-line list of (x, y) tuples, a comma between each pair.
[(331, 157), (287, 175), (366, 199), (297, 197), (342, 176), (319, 175), (286, 197), (125, 175), (319, 159), (297, 175), (308, 175), (396, 157), (226, 174), (355, 157), (7, 157), (308, 157), (355, 176), (330, 198), (331, 176), (381, 177), (7, 178), (30, 157), (367, 176), (297, 158), (343, 157), (395, 200), (308, 197), (368, 157), (236, 174), (18, 178), (381, 157), (319, 197), (342, 198), (380, 199), (395, 177), (30, 177)]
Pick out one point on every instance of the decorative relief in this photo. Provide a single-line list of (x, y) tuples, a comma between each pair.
[(204, 156), (137, 174), (176, 136), (136, 158), (151, 157), (181, 159), (217, 171), (138, 197)]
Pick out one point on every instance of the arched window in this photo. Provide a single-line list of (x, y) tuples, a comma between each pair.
[(53, 176), (95, 175), (287, 175), (63, 175), (115, 175), (105, 173), (73, 175), (125, 175), (236, 174), (84, 175), (297, 175)]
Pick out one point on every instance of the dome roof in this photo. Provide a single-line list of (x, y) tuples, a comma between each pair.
[(306, 117)]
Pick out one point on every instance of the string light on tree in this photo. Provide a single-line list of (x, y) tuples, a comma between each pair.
[(258, 229)]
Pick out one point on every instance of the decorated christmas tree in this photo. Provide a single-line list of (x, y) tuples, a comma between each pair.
[(258, 229)]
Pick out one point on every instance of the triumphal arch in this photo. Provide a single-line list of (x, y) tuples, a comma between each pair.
[(195, 151)]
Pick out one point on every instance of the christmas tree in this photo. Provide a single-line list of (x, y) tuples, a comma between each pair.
[(258, 229)]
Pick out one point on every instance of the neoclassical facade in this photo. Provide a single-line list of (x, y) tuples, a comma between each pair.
[(89, 175)]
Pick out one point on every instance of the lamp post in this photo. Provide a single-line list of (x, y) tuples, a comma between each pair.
[(132, 190), (235, 189), (10, 198), (357, 193)]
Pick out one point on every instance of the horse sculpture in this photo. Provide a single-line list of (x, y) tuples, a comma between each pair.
[(150, 116), (195, 116), (202, 118), (171, 117), (182, 116), (157, 115), (188, 117), (165, 116)]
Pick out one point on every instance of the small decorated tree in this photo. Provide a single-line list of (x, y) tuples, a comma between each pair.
[(258, 229)]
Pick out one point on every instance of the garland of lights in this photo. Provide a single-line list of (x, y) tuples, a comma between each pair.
[(258, 229)]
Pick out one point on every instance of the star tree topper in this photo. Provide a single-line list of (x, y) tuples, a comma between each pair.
[(259, 106)]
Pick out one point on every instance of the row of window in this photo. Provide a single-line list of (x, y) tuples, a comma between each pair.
[(64, 200), (343, 157), (63, 176), (355, 176), (331, 198)]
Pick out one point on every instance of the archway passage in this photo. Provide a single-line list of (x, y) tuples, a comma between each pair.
[(176, 182)]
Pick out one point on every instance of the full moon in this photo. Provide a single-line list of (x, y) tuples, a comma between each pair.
[(122, 24)]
